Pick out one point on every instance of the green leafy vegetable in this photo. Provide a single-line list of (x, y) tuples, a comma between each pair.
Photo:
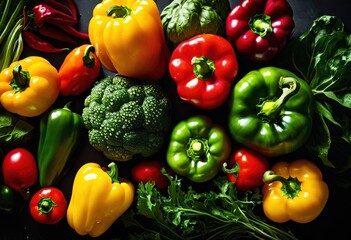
[(322, 57), (183, 19), (13, 130), (197, 214)]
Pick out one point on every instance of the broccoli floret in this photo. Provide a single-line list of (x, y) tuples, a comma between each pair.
[(125, 117)]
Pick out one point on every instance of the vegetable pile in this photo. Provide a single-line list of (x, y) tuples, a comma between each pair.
[(198, 121)]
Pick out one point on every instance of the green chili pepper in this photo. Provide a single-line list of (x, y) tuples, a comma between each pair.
[(10, 200), (271, 111), (198, 148), (60, 130)]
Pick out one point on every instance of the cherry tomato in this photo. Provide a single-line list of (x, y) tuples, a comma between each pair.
[(246, 168), (48, 205), (19, 170), (150, 171)]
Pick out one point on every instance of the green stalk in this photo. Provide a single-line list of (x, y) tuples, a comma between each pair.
[(5, 13), (10, 22), (13, 47)]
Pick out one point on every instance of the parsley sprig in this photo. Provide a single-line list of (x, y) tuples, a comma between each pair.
[(193, 214)]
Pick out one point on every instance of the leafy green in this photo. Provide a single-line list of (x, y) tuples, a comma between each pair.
[(322, 57), (183, 19), (13, 130), (195, 214)]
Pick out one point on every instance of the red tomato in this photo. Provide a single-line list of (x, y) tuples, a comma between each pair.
[(19, 170), (150, 171), (246, 169), (48, 205)]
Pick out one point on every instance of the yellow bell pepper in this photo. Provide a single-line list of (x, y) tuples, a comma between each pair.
[(29, 87), (98, 199), (129, 39), (294, 191)]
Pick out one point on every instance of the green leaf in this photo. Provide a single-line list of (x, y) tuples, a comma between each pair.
[(14, 130), (322, 57), (319, 142)]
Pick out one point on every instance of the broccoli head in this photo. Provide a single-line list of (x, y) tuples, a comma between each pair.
[(125, 117)]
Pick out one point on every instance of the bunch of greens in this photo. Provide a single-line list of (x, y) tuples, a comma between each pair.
[(322, 57), (191, 214)]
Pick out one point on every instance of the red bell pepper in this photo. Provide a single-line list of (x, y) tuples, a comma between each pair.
[(246, 169), (150, 171), (79, 70), (48, 205), (259, 29), (204, 68), (19, 170)]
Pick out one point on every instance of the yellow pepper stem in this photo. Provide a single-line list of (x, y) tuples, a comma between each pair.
[(113, 172), (290, 186), (118, 12), (20, 79)]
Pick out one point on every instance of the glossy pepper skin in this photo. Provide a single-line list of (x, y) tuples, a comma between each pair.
[(98, 199), (294, 191), (60, 132), (259, 29), (198, 147), (204, 68), (48, 206), (271, 111), (29, 87), (79, 70), (246, 168), (129, 39)]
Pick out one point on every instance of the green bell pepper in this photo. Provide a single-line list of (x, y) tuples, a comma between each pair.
[(10, 200), (271, 111), (198, 148), (60, 130)]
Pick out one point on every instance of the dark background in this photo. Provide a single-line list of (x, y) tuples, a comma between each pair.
[(330, 223)]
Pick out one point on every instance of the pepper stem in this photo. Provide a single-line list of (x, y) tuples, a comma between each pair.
[(290, 186), (271, 108), (197, 148), (261, 24), (20, 79), (118, 12), (46, 205), (203, 67), (113, 172), (234, 170), (88, 59)]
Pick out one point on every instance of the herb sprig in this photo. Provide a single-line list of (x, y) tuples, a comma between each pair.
[(192, 214)]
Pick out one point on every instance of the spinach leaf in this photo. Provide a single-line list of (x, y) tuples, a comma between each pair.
[(13, 130), (322, 57)]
